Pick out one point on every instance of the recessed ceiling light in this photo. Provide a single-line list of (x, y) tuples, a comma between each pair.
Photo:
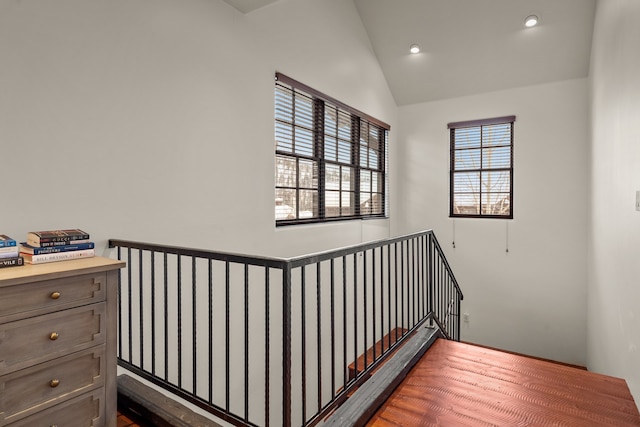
[(414, 48), (531, 21)]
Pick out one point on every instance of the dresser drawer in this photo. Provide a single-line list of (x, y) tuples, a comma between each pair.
[(34, 389), (82, 411), (37, 298), (38, 339)]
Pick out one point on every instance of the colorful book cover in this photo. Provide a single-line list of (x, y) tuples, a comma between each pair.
[(11, 262), (6, 241), (12, 254), (36, 250), (59, 256), (53, 237)]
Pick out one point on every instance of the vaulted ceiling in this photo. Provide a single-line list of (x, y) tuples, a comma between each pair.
[(472, 46)]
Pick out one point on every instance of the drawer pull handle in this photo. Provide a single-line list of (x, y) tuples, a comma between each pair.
[(54, 383), (54, 295), (54, 336)]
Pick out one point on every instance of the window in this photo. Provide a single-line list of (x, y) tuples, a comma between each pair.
[(481, 168), (330, 158)]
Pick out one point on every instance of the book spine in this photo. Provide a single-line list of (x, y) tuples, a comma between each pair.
[(57, 243), (7, 243), (11, 262), (55, 249), (60, 256), (12, 254)]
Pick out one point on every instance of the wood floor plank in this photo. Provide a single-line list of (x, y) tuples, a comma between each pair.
[(458, 384)]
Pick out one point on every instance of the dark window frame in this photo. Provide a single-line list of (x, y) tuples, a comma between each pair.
[(348, 162), (457, 147)]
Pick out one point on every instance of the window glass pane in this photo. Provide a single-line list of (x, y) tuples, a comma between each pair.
[(286, 171), (495, 203), (284, 104), (330, 148), (365, 204), (466, 182), (308, 204), (284, 137), (496, 135), (332, 203), (308, 174), (365, 182), (495, 182), (467, 137), (373, 159), (332, 177), (466, 204), (303, 111), (364, 158), (376, 203), (330, 120), (344, 126), (285, 204), (467, 159), (347, 179), (344, 152), (496, 157), (347, 203), (304, 142), (377, 182)]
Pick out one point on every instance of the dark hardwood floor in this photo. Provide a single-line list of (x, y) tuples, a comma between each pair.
[(458, 384), (127, 420)]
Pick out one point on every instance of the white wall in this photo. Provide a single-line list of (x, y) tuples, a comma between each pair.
[(614, 238), (129, 118), (532, 299)]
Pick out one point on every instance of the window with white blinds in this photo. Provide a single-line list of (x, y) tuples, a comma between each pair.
[(330, 158), (481, 168)]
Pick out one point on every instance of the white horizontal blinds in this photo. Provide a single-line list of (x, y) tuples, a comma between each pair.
[(339, 171), (372, 176), (297, 171), (330, 158), (482, 168)]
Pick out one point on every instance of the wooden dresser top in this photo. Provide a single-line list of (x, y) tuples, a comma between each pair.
[(55, 270)]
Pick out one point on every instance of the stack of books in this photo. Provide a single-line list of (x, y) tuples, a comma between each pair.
[(9, 255), (56, 245)]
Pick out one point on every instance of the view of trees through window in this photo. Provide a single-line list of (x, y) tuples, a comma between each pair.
[(482, 168), (330, 161)]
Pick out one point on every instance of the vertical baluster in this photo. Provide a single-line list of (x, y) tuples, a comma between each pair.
[(120, 305), (364, 310), (194, 326), (227, 334), (129, 304), (153, 312), (141, 307), (344, 320), (395, 271), (246, 342), (304, 345), (267, 336), (389, 294), (166, 317), (319, 333), (333, 331), (402, 286), (210, 335), (286, 345), (179, 321), (355, 314)]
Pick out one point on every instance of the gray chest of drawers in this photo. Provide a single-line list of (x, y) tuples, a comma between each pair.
[(58, 344)]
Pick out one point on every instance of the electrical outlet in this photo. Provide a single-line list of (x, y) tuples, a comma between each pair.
[(465, 317), (638, 200)]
